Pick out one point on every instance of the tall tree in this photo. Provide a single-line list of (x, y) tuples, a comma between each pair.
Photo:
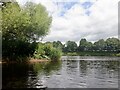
[(112, 44), (71, 46), (58, 44), (39, 20), (100, 45), (84, 45), (21, 26)]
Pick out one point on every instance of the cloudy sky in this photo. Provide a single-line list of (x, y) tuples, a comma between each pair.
[(76, 19)]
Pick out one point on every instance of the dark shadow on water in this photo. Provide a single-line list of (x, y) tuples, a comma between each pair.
[(25, 75), (14, 75)]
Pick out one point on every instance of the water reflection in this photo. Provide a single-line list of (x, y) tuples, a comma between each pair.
[(27, 75), (14, 75), (100, 74), (70, 72)]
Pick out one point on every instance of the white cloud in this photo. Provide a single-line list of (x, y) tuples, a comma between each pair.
[(102, 22), (75, 24)]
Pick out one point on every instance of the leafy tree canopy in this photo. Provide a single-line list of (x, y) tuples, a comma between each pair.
[(28, 23), (21, 26)]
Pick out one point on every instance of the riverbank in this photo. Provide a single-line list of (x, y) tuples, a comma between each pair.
[(91, 53), (32, 60)]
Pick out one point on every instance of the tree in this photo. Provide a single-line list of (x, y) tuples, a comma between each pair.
[(100, 45), (112, 44), (84, 45), (58, 44), (22, 27), (39, 20), (71, 46)]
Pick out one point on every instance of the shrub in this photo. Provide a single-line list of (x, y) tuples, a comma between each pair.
[(47, 51), (55, 54), (39, 52)]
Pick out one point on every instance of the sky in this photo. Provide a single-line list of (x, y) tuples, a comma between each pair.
[(77, 19)]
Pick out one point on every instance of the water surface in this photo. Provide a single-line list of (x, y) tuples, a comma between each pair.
[(69, 72)]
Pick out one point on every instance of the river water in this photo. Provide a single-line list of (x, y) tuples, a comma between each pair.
[(69, 72)]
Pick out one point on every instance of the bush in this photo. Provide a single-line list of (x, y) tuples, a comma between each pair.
[(17, 50), (47, 51), (55, 54)]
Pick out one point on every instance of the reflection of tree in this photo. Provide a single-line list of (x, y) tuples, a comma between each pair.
[(47, 68), (38, 67), (52, 66), (19, 75), (14, 75), (83, 66), (71, 64), (111, 65)]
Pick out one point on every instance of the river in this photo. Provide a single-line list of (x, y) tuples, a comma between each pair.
[(69, 72)]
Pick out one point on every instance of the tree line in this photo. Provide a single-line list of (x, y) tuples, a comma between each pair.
[(108, 45)]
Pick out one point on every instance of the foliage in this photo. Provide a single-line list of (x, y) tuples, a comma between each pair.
[(108, 47), (47, 67), (21, 27), (91, 53), (71, 54), (39, 52), (39, 20), (55, 54), (99, 45), (71, 46), (85, 48), (113, 44), (84, 45), (47, 51), (58, 44)]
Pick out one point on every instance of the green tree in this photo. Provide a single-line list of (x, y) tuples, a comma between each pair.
[(71, 46), (39, 20), (22, 27), (100, 45), (112, 44), (58, 44), (84, 45)]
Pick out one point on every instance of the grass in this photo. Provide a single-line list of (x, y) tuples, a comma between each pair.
[(90, 53), (118, 55)]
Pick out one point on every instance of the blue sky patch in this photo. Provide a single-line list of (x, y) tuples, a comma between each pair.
[(87, 12), (65, 6), (87, 5), (69, 5)]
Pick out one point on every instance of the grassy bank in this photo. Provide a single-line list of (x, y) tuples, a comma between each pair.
[(118, 55), (92, 54), (31, 60)]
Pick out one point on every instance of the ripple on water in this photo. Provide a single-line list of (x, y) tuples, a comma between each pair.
[(47, 77), (82, 85), (77, 73)]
